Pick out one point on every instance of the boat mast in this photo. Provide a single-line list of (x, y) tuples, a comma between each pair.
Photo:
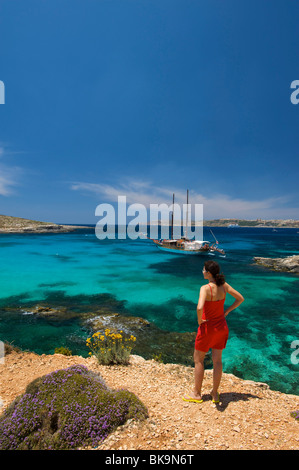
[(172, 217), (214, 237), (187, 214)]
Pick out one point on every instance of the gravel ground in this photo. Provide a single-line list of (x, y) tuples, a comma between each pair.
[(249, 416)]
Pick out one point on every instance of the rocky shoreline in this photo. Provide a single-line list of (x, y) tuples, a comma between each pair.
[(249, 416), (10, 224), (42, 229), (289, 264), (152, 341)]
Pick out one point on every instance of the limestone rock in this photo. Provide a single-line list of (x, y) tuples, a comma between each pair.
[(289, 264)]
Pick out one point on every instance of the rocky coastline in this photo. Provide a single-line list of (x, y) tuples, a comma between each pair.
[(10, 224), (289, 264), (152, 341)]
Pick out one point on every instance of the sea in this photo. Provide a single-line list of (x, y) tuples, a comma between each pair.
[(80, 276)]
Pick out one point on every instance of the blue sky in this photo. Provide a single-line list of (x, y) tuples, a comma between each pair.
[(144, 98)]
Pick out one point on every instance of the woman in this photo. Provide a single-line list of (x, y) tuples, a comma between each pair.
[(213, 330)]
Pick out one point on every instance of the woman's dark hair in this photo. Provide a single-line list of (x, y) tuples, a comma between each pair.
[(214, 268)]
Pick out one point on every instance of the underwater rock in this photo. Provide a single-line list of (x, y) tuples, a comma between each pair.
[(41, 309), (53, 313), (151, 341), (127, 324)]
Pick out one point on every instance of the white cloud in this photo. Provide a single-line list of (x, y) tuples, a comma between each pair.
[(215, 206)]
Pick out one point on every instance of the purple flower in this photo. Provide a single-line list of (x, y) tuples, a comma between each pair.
[(66, 409)]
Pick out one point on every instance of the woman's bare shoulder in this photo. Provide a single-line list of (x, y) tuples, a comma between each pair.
[(204, 288)]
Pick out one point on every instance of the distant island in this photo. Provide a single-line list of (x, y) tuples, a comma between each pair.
[(274, 223), (10, 224)]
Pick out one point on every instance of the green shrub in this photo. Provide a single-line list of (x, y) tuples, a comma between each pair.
[(158, 357), (66, 409), (63, 350), (111, 347)]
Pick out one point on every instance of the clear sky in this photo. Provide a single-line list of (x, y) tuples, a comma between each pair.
[(144, 98)]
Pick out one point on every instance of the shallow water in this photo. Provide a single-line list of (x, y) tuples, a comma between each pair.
[(78, 271)]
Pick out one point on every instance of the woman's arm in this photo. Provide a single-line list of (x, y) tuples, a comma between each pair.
[(201, 301), (239, 298)]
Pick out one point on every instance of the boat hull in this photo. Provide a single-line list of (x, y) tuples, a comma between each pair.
[(177, 251)]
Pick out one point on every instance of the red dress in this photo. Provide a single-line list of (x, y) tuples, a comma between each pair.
[(213, 333)]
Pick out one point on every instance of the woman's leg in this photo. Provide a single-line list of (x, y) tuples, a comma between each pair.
[(198, 371), (217, 371)]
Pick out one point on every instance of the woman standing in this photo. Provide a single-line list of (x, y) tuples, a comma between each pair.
[(213, 330)]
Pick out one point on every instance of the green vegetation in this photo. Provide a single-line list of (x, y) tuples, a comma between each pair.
[(64, 351), (158, 357), (111, 347)]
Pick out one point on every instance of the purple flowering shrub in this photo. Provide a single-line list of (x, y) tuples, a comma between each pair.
[(66, 409)]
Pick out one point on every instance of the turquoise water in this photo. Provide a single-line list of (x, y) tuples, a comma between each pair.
[(79, 272)]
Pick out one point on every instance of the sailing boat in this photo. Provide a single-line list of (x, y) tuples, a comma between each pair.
[(183, 245)]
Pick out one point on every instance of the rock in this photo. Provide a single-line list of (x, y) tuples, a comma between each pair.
[(288, 264), (60, 313), (257, 384), (116, 321)]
